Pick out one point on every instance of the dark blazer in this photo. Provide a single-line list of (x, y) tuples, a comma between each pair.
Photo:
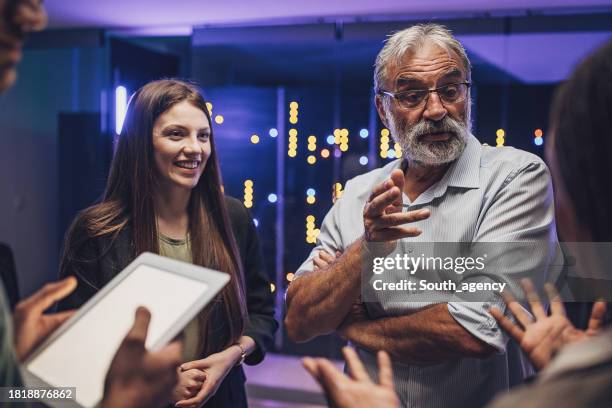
[(96, 261)]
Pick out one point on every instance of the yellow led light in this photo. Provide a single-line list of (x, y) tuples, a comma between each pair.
[(500, 133), (293, 138), (316, 232), (337, 132), (248, 204), (310, 199), (312, 159), (290, 276), (310, 218), (293, 120), (337, 139), (248, 183), (292, 132), (344, 132), (312, 147), (383, 154), (272, 288), (219, 119), (254, 139), (209, 106), (312, 139), (325, 153), (384, 139), (384, 132), (293, 105), (343, 147), (292, 153)]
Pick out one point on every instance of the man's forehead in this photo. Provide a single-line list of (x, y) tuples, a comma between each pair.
[(430, 59)]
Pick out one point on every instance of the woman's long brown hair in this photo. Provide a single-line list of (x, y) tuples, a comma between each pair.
[(129, 198)]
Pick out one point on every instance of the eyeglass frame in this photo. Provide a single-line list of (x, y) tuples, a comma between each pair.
[(426, 99)]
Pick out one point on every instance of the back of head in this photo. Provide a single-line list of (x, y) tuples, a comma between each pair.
[(581, 119)]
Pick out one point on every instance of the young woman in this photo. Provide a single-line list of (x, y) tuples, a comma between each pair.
[(164, 196)]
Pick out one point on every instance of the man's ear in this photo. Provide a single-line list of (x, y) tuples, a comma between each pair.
[(380, 108)]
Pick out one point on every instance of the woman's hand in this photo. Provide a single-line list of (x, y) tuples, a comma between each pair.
[(190, 382), (542, 337), (215, 367)]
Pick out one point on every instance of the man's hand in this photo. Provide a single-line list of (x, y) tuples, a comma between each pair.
[(544, 336), (31, 326), (137, 378), (358, 390), (383, 213)]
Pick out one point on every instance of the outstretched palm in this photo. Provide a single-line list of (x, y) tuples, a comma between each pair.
[(544, 335)]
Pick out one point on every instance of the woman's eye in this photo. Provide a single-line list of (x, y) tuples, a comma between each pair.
[(204, 136)]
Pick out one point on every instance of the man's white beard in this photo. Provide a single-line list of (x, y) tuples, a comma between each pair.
[(430, 153)]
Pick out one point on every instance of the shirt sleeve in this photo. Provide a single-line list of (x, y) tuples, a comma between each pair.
[(521, 212), (329, 239)]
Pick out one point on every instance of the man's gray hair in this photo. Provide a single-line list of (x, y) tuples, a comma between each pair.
[(409, 40)]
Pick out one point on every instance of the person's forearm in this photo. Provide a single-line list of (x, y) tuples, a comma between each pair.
[(318, 302), (428, 336)]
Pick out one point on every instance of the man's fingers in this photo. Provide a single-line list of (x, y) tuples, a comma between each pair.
[(533, 299), (354, 364), (139, 329), (597, 316), (56, 319), (330, 376), (395, 219), (516, 309), (397, 176), (381, 188), (49, 294), (385, 371), (506, 324), (377, 205), (556, 306), (394, 233), (319, 263), (311, 366), (327, 257)]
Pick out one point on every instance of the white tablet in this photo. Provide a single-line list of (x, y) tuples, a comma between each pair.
[(79, 353)]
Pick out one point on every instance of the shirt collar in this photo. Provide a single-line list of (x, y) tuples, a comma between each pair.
[(463, 172)]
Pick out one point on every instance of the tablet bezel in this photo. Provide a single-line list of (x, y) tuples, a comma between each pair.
[(214, 279)]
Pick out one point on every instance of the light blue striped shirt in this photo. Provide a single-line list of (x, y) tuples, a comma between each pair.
[(489, 194)]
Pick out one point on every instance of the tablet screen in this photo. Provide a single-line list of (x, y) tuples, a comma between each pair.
[(81, 356)]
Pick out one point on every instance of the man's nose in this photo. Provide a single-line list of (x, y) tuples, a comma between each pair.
[(434, 109)]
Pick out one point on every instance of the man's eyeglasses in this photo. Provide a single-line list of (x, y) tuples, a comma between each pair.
[(416, 98)]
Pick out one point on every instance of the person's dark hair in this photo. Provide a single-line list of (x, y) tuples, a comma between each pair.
[(581, 117), (129, 198)]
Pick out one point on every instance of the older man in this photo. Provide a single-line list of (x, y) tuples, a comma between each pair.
[(449, 353), (136, 377)]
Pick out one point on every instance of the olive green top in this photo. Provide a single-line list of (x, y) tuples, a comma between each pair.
[(180, 249)]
